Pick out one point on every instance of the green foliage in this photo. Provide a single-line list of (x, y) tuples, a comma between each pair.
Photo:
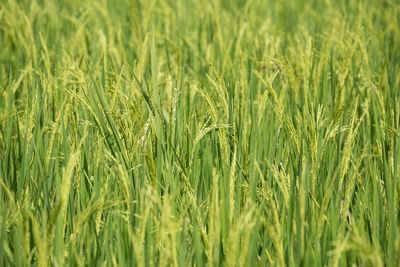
[(207, 133)]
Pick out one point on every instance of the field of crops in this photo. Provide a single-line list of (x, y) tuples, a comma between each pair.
[(199, 133)]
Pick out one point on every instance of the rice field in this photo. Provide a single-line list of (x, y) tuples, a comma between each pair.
[(199, 133)]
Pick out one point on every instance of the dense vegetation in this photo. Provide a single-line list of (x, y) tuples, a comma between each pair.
[(183, 132)]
